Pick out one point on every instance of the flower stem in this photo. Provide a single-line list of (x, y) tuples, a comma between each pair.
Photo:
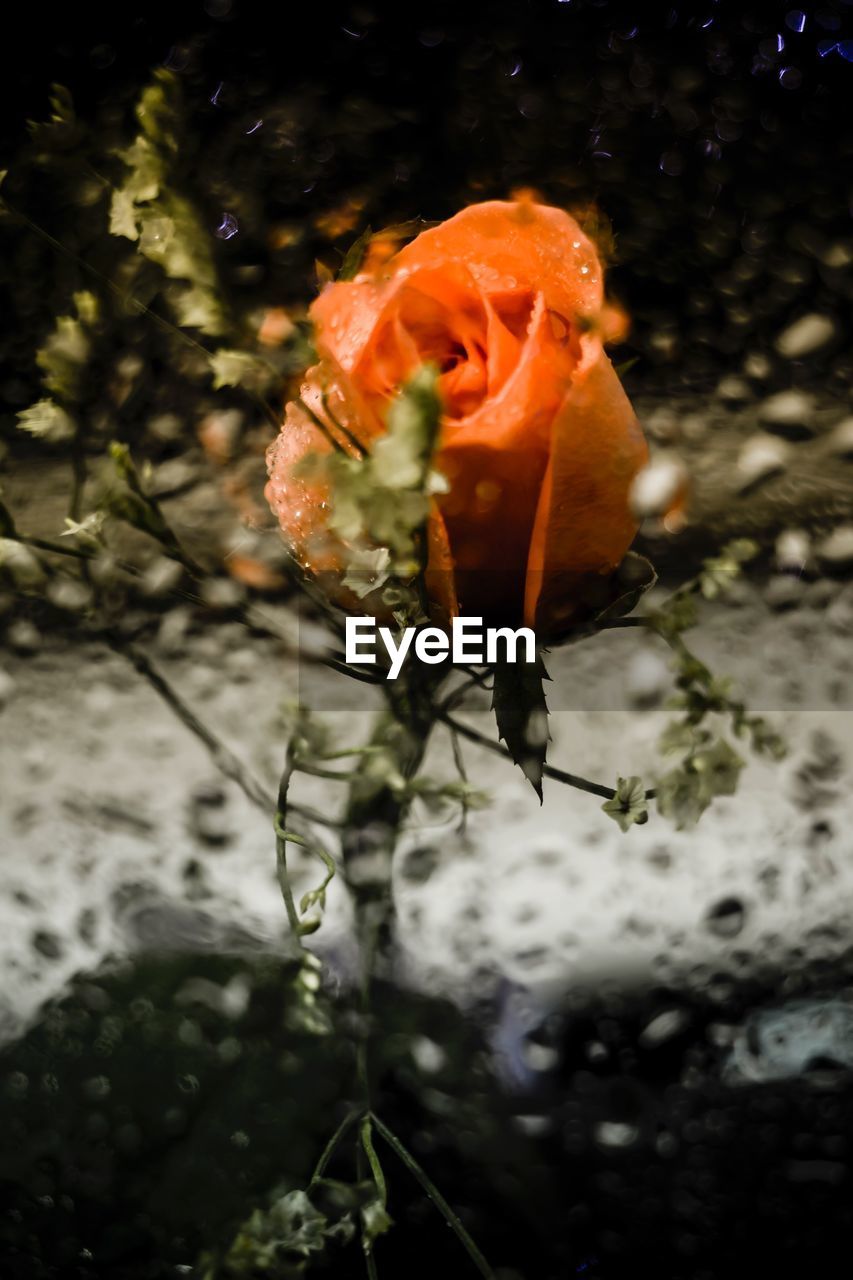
[(437, 1198), (332, 1145)]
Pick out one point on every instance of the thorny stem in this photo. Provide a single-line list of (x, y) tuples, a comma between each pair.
[(550, 771), (374, 817)]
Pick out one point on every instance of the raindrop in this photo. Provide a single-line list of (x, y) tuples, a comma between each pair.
[(726, 918)]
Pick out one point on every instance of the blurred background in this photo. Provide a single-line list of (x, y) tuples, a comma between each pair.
[(613, 1052)]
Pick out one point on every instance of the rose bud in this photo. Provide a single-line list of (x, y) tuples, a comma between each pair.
[(538, 442)]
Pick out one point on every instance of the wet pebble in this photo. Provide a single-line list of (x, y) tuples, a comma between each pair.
[(733, 390), (222, 593), (757, 366), (208, 815), (23, 636), (836, 551), (7, 688), (839, 615), (789, 413), (48, 944), (761, 458), (70, 594), (784, 591), (161, 577), (663, 1027), (659, 486), (806, 336), (166, 427), (172, 633), (726, 918), (840, 439), (648, 679), (792, 551)]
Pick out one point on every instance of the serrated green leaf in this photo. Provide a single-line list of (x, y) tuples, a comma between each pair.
[(521, 714)]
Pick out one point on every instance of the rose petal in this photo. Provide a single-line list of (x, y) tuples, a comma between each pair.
[(584, 524), (507, 244), (439, 575), (495, 461)]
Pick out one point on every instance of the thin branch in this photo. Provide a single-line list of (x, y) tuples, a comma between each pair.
[(437, 1198), (373, 1159), (223, 757), (558, 775), (281, 844), (332, 1145)]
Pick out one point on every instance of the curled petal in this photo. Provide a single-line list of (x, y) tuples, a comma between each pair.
[(584, 524), (507, 244)]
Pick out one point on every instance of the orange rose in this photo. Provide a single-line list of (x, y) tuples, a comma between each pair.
[(538, 440)]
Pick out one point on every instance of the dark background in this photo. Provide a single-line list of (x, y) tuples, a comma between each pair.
[(715, 137)]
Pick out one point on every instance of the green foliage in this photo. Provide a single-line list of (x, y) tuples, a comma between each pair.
[(46, 420), (521, 714), (355, 255), (64, 355), (148, 208), (709, 765), (710, 768), (62, 132), (357, 251), (89, 531), (309, 738), (242, 369), (719, 572), (381, 500), (282, 1241), (629, 804), (63, 360)]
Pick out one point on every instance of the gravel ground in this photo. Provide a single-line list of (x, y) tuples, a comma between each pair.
[(120, 834)]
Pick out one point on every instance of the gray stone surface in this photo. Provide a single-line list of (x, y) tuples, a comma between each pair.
[(118, 832)]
